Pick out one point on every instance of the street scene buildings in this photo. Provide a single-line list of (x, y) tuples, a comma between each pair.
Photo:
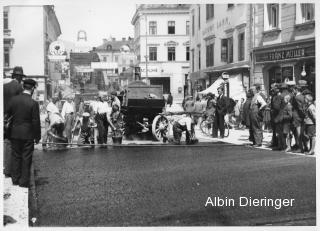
[(191, 107)]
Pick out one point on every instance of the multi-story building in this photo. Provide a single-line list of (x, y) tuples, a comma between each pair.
[(161, 43), (116, 58), (220, 45), (283, 43), (28, 32)]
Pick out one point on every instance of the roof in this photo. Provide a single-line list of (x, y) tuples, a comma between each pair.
[(115, 45), (83, 58)]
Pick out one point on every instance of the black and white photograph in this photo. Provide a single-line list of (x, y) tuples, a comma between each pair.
[(147, 115)]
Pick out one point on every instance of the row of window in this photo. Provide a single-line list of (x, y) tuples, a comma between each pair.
[(273, 14), (307, 14), (226, 51), (153, 53), (171, 27)]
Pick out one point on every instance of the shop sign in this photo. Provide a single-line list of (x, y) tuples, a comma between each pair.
[(281, 55), (152, 70), (171, 44)]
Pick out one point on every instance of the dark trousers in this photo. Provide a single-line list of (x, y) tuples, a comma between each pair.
[(21, 160), (7, 157), (255, 125), (177, 132), (102, 125), (218, 124)]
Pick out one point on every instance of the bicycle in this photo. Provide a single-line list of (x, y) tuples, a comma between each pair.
[(206, 126)]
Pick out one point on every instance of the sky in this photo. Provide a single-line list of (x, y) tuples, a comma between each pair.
[(100, 19)]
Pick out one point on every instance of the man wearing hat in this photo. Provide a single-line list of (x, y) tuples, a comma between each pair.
[(68, 114), (256, 107), (276, 100), (25, 130), (298, 105), (11, 88), (221, 111)]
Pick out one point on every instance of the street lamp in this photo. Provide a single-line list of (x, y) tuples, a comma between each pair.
[(303, 73)]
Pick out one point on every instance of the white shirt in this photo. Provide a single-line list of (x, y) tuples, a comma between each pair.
[(67, 109), (185, 121), (51, 107), (55, 118), (103, 107), (257, 99)]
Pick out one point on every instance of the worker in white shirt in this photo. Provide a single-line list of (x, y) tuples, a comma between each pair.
[(103, 110), (68, 115), (256, 116), (181, 125)]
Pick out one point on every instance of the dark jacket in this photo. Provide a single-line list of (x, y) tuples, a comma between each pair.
[(10, 89), (170, 99), (222, 104), (246, 112), (26, 118), (298, 105)]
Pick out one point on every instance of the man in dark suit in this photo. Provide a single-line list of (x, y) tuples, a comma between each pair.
[(298, 104), (11, 87), (221, 111), (25, 130)]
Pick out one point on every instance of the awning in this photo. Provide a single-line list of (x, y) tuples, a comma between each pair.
[(228, 67), (213, 88)]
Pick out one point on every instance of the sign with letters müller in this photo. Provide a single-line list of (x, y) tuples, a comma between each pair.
[(280, 55)]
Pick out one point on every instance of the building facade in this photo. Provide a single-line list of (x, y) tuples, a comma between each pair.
[(283, 43), (220, 45), (117, 58), (28, 32), (161, 43)]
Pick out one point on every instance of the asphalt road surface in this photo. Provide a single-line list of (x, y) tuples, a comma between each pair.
[(169, 186)]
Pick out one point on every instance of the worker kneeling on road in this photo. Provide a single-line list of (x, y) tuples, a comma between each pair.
[(85, 124), (184, 124)]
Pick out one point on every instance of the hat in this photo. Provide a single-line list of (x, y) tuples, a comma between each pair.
[(291, 83), (85, 114), (283, 86), (307, 92), (30, 82), (302, 83), (274, 86), (221, 87), (18, 71), (114, 93)]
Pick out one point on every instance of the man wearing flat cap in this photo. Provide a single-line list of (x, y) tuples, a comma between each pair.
[(24, 132), (11, 87)]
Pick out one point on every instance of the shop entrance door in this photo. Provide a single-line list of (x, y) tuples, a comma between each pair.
[(165, 82), (275, 76)]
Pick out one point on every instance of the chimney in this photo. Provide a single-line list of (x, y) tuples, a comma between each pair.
[(113, 39), (123, 39)]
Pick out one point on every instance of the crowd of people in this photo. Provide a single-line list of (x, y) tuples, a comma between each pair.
[(289, 112), (92, 119)]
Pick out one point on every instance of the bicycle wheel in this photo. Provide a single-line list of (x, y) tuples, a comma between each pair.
[(205, 127)]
